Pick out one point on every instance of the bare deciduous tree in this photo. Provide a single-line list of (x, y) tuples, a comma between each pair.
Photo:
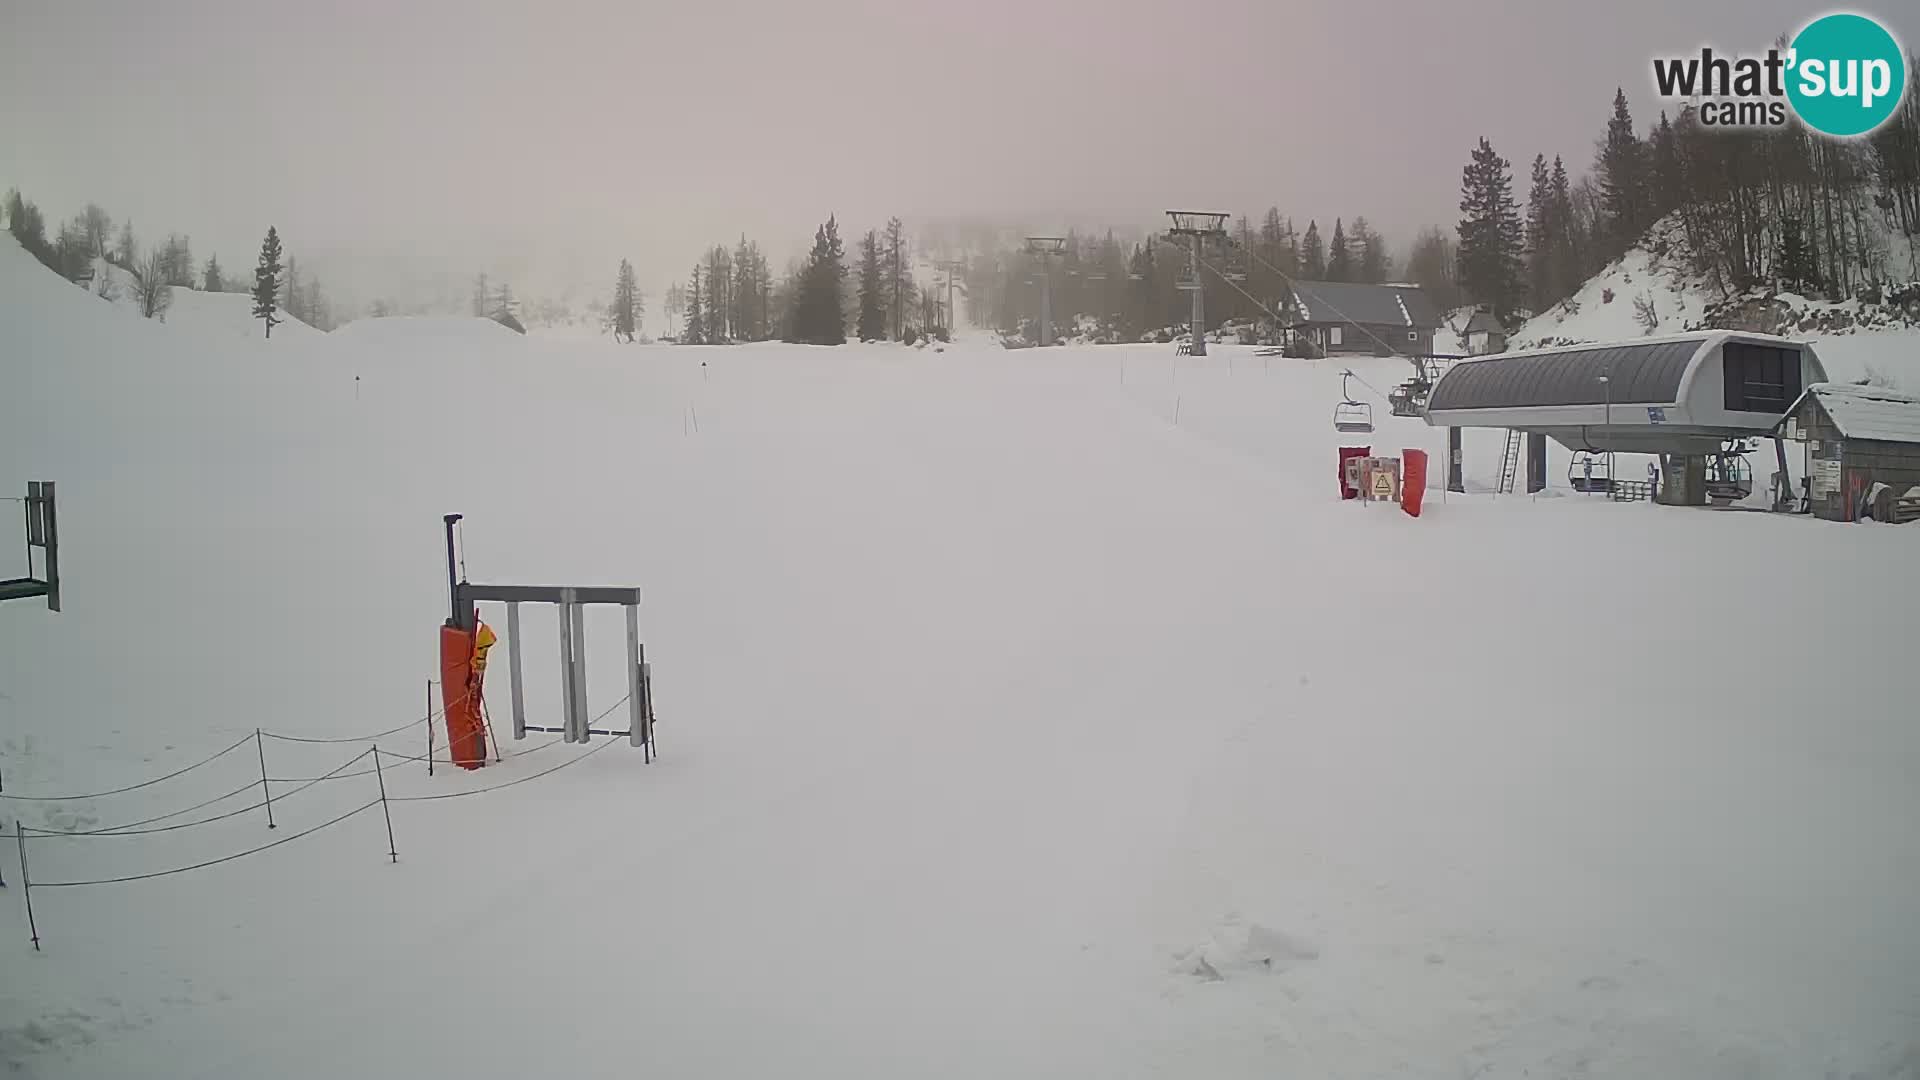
[(150, 287)]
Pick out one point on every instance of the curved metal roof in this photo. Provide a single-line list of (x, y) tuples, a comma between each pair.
[(1640, 373)]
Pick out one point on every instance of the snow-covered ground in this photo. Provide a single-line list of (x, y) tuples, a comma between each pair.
[(1031, 713)]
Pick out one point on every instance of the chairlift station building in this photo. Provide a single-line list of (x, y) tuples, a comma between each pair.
[(1684, 396)]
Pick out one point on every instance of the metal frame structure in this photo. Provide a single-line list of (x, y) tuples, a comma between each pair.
[(1197, 226), (1046, 247), (43, 532), (572, 601)]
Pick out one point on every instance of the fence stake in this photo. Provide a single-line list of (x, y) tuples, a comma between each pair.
[(260, 745), (429, 727), (393, 852), (26, 881)]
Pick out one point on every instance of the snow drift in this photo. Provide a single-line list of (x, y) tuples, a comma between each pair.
[(993, 703)]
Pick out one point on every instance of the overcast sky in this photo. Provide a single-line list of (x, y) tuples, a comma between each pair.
[(581, 132)]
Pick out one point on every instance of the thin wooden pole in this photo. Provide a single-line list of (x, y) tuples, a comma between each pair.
[(259, 744), (393, 852), (26, 882)]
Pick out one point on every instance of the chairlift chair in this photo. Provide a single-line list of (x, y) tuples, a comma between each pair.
[(1729, 478), (1590, 471), (1350, 414)]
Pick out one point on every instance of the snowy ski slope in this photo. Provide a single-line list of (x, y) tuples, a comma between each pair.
[(1009, 727)]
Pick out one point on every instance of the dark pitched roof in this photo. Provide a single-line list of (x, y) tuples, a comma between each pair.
[(1483, 322), (1375, 305), (1640, 373)]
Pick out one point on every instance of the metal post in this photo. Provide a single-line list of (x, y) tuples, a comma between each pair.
[(1199, 335), (429, 727), (1456, 478), (566, 670), (393, 851), (636, 706), (1046, 299), (454, 617), (1536, 462), (259, 744), (513, 669), (52, 520), (26, 881), (581, 720), (646, 690)]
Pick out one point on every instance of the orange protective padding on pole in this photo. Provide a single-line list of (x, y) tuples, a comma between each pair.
[(460, 697), (1413, 480), (1348, 491)]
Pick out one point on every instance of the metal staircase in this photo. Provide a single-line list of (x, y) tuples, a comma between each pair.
[(1510, 461)]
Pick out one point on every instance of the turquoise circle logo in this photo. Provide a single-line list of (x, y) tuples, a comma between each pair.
[(1848, 75)]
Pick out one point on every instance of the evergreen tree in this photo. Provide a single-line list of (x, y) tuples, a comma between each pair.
[(179, 260), (695, 329), (873, 313), (1569, 245), (292, 297), (211, 280), (817, 308), (1543, 287), (1313, 255), (503, 304), (482, 297), (266, 280), (900, 286), (1339, 259), (1491, 236), (1374, 262), (1624, 174), (1430, 265), (1668, 187), (626, 303)]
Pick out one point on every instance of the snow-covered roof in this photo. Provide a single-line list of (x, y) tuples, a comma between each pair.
[(1868, 412), (1354, 302)]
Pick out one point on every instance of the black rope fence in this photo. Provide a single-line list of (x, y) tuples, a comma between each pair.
[(575, 760), (210, 862), (244, 740), (130, 830), (210, 759), (23, 832)]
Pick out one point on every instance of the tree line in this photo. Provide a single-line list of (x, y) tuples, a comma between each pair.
[(732, 295), (153, 272), (1758, 208), (1123, 287)]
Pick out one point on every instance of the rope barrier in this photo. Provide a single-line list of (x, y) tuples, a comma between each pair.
[(128, 830), (248, 786), (427, 719), (534, 749), (210, 862), (508, 784), (523, 779), (209, 760), (244, 740)]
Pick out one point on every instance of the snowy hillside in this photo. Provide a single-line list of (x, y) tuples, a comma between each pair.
[(1653, 289), (1035, 713), (201, 314)]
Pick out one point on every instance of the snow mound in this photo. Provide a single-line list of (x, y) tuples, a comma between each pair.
[(1237, 947), (440, 330), (227, 314)]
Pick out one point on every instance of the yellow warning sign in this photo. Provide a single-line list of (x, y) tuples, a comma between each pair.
[(1383, 485)]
